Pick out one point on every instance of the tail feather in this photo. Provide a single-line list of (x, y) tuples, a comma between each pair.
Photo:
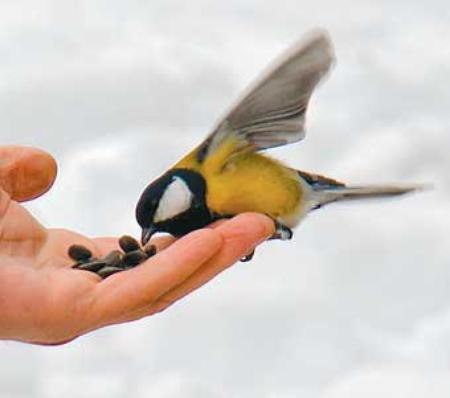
[(326, 190), (337, 194)]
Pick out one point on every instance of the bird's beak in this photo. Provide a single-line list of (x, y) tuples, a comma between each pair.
[(147, 233)]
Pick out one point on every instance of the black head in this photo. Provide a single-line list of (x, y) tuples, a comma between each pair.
[(174, 203)]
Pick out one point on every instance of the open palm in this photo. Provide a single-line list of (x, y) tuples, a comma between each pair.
[(43, 300)]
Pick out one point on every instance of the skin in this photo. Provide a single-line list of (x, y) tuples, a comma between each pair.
[(44, 301)]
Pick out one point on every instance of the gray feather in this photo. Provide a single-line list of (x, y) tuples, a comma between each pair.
[(272, 111), (324, 195)]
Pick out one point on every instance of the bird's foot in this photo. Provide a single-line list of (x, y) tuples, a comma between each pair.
[(282, 232), (132, 254), (248, 257)]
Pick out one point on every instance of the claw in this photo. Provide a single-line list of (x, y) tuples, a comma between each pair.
[(282, 232), (248, 257)]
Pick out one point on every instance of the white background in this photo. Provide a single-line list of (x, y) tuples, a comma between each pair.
[(358, 305)]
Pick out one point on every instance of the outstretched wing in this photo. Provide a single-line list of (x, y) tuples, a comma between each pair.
[(272, 111)]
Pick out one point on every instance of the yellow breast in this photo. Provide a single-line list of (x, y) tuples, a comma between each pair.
[(253, 182), (245, 181)]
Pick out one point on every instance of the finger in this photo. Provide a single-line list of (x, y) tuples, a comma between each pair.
[(26, 173), (126, 292), (241, 235), (218, 223), (19, 230)]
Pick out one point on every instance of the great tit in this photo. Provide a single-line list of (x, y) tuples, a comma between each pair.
[(227, 174)]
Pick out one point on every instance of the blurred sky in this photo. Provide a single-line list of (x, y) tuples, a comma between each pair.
[(358, 304)]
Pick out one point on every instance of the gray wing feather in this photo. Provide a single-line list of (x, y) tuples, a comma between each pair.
[(272, 111)]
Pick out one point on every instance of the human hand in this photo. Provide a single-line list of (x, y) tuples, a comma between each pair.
[(43, 300)]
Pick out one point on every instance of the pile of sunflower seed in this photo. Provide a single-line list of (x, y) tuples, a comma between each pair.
[(116, 261)]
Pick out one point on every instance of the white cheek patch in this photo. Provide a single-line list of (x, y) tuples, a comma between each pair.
[(176, 199)]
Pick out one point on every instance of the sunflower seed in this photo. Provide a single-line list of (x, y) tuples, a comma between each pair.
[(134, 258), (128, 244), (150, 250), (93, 266), (108, 271), (114, 259), (79, 253)]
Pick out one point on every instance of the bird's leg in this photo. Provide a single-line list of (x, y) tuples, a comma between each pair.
[(113, 262), (282, 232)]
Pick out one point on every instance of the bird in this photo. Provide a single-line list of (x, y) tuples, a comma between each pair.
[(230, 172)]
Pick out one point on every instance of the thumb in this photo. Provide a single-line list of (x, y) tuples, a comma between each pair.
[(26, 173)]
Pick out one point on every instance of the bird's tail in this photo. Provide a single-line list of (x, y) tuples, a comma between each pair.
[(326, 190)]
